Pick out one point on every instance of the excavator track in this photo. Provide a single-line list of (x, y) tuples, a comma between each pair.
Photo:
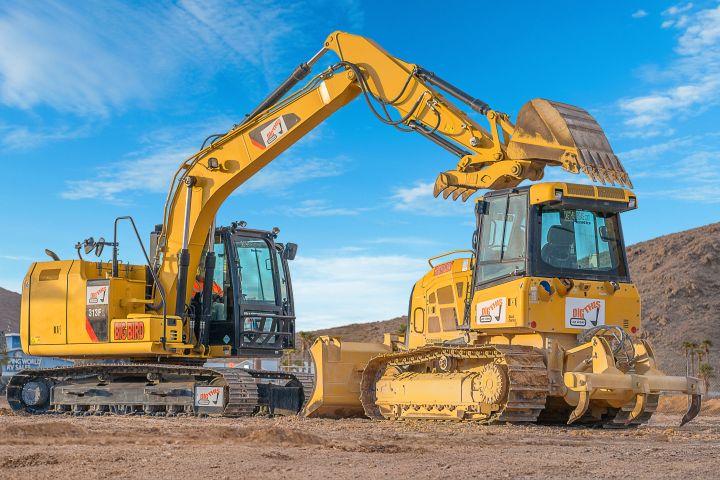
[(308, 383), (524, 367), (154, 389)]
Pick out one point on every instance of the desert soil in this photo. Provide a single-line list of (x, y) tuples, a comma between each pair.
[(55, 447)]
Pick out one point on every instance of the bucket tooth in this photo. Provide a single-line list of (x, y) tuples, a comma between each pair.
[(694, 404), (441, 183), (467, 194), (581, 408), (449, 191), (457, 193)]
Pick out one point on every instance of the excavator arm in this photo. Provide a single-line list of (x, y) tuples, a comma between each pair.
[(499, 156)]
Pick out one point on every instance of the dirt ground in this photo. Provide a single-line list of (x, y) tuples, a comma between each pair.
[(141, 447)]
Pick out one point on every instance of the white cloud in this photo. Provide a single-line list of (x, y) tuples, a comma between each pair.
[(17, 258), (95, 57), (339, 289), (321, 208), (678, 9), (291, 169), (639, 14), (153, 173), (22, 137), (695, 73), (652, 152), (419, 200), (402, 241), (691, 178)]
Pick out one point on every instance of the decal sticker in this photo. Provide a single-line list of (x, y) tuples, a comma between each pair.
[(128, 330), (97, 299), (492, 311), (584, 312), (270, 131), (442, 268), (209, 396)]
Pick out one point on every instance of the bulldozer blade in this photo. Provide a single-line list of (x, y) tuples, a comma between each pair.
[(565, 135), (581, 408), (638, 409), (694, 404), (338, 370)]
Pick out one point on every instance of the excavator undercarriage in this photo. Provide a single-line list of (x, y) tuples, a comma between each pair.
[(156, 390)]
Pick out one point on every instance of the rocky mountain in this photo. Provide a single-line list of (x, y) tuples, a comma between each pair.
[(9, 311), (678, 277)]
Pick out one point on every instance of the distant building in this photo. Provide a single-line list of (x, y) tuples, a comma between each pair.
[(13, 359)]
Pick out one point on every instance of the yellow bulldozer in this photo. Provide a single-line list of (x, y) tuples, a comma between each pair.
[(536, 321)]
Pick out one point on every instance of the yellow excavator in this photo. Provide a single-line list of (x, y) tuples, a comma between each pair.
[(489, 336)]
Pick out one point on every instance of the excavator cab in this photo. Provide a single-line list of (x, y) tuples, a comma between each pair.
[(251, 308)]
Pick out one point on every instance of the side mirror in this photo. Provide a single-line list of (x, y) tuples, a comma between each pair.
[(290, 251), (481, 207), (99, 246), (89, 245), (605, 235)]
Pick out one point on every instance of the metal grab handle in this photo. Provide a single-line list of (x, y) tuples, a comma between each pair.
[(448, 253)]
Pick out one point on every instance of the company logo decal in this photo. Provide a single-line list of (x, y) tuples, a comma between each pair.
[(209, 396), (97, 295), (492, 311), (270, 131), (584, 312)]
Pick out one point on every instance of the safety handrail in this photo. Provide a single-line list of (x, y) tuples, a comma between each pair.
[(448, 253), (159, 286)]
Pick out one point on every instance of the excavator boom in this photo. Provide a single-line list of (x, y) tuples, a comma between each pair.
[(500, 156)]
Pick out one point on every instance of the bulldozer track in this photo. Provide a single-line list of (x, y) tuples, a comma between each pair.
[(526, 374), (242, 389)]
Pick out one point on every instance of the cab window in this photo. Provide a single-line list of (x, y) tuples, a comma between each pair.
[(502, 248), (256, 270), (580, 240)]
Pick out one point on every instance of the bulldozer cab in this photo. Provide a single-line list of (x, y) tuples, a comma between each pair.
[(526, 238), (252, 308), (551, 232)]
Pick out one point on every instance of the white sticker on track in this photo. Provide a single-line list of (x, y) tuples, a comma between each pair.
[(209, 396)]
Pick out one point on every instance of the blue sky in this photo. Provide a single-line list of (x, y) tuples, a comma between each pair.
[(100, 101)]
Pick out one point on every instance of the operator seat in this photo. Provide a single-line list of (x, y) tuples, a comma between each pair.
[(558, 250)]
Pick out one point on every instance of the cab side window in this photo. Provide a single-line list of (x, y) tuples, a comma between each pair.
[(502, 238)]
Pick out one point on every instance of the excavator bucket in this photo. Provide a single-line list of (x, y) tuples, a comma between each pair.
[(338, 369), (558, 133)]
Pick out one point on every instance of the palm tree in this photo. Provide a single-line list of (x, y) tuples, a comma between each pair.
[(706, 345), (706, 373), (687, 347), (306, 341)]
